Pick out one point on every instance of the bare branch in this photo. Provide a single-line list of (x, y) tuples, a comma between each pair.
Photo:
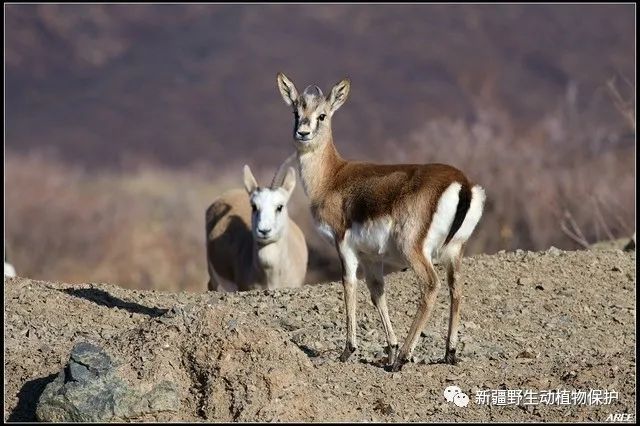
[(575, 234), (626, 108), (600, 217)]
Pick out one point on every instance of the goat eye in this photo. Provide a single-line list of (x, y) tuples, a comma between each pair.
[(321, 117), (279, 208)]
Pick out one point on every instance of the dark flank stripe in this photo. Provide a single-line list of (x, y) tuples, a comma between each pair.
[(464, 202)]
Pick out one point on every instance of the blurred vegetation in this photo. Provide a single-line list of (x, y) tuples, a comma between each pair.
[(144, 228), (124, 122)]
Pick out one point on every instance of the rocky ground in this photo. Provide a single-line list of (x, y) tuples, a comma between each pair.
[(531, 321)]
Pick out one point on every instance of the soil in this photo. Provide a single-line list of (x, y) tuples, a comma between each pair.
[(530, 321)]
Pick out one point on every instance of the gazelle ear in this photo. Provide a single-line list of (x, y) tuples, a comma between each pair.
[(339, 94), (289, 180), (250, 183), (287, 89)]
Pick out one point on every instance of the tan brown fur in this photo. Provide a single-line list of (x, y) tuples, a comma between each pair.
[(364, 207), (344, 192)]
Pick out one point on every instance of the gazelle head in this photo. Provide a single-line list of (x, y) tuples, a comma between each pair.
[(269, 216), (312, 110)]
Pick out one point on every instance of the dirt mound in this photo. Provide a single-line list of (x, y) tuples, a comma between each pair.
[(531, 321)]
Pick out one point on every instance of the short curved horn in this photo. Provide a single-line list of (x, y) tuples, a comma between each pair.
[(279, 176)]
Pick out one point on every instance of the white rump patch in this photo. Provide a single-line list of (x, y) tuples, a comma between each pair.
[(442, 220), (473, 215)]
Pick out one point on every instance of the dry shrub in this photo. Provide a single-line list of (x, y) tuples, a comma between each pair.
[(533, 177), (144, 227), (140, 228)]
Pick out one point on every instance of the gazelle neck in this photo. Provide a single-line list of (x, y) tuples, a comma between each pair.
[(317, 166)]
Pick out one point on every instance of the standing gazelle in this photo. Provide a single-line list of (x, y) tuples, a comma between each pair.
[(405, 214), (252, 243)]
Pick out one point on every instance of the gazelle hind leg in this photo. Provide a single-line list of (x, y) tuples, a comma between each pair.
[(349, 262), (428, 291), (453, 260), (375, 282)]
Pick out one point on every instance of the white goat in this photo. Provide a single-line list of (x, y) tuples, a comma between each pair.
[(251, 241)]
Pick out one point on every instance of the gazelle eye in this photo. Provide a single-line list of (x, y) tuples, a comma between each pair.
[(253, 207), (279, 208), (321, 117)]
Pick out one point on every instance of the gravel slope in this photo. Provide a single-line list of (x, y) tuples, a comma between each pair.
[(530, 321)]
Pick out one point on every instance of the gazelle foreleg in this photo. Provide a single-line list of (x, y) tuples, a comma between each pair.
[(375, 282), (349, 261)]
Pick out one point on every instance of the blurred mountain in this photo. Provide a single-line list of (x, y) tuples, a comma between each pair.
[(105, 84)]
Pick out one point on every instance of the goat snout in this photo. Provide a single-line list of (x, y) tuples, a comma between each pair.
[(264, 232)]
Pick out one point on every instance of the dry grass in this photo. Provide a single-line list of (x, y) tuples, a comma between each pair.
[(563, 166), (144, 227)]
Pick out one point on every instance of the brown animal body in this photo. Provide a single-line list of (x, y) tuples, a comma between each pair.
[(405, 214)]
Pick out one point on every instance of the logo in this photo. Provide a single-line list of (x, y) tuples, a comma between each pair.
[(619, 417), (454, 394)]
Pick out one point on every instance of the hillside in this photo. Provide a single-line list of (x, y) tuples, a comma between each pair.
[(531, 320), (104, 85)]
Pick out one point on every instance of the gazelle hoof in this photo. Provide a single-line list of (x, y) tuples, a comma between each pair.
[(397, 365), (348, 350), (392, 354), (450, 357)]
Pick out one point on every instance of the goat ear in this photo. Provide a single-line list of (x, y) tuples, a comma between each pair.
[(289, 182), (339, 94), (287, 89), (250, 183)]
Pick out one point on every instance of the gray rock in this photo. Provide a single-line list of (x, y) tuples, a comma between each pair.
[(631, 245), (88, 362), (88, 389), (554, 251)]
